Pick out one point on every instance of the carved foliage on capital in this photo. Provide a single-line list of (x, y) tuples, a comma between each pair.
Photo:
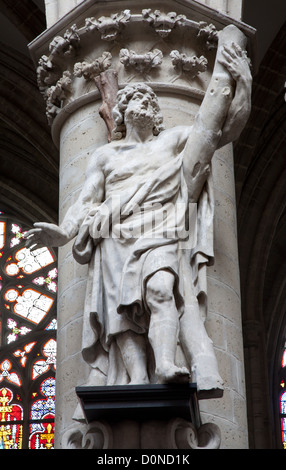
[(47, 73), (66, 60), (209, 34), (189, 65), (90, 70), (66, 45), (55, 94), (109, 27), (142, 63), (163, 23), (54, 81)]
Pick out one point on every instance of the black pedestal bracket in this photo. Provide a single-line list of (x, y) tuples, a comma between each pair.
[(141, 402)]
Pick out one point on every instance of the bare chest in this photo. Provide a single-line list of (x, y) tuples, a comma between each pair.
[(129, 164)]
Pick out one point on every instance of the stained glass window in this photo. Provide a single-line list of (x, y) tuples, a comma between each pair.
[(28, 287), (282, 397), (11, 428)]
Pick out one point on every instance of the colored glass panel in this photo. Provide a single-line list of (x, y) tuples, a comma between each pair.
[(7, 373), (42, 434), (283, 403), (49, 282), (283, 362), (283, 432), (42, 366), (52, 325), (46, 405), (2, 234), (282, 396), (43, 438), (16, 330), (23, 354), (28, 286), (31, 261), (11, 428), (31, 305)]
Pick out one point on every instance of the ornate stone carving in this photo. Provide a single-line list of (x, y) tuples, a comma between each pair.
[(55, 94), (174, 434), (183, 435), (54, 83), (191, 66), (47, 73), (97, 435), (209, 33), (63, 50), (142, 63), (163, 23), (67, 45), (89, 70), (109, 27)]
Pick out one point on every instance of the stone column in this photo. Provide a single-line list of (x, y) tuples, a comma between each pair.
[(174, 54), (224, 314), (79, 135), (56, 9)]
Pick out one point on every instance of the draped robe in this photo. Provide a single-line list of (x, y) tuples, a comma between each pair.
[(126, 239)]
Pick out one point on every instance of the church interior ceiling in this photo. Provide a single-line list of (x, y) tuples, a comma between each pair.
[(29, 160)]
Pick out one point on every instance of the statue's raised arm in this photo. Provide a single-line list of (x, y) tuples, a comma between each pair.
[(224, 110)]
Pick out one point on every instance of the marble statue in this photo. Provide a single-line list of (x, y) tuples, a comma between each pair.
[(143, 320)]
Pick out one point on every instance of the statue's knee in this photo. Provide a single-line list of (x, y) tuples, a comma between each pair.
[(160, 288)]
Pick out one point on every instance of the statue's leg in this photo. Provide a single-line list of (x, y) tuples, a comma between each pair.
[(133, 350), (164, 327), (198, 348)]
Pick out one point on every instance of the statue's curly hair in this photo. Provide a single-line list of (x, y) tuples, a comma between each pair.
[(123, 98)]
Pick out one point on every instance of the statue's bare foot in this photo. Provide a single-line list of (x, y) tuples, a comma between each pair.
[(168, 372)]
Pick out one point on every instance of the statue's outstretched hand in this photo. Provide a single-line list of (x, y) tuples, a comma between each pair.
[(235, 60), (45, 234)]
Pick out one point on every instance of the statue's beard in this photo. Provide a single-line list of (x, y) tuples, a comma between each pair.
[(144, 117)]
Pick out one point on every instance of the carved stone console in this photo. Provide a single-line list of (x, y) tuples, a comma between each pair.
[(143, 417), (118, 402)]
